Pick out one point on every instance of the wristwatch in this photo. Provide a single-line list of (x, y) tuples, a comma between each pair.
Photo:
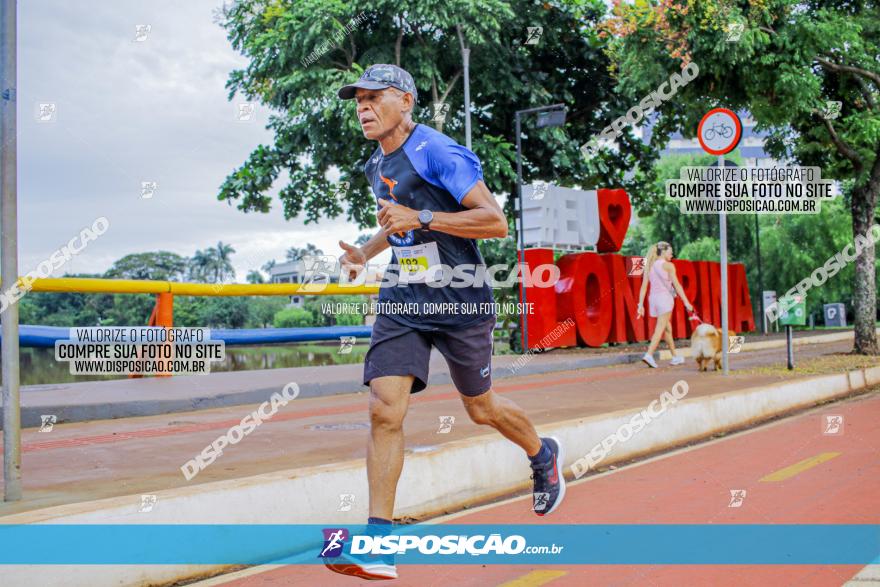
[(425, 217)]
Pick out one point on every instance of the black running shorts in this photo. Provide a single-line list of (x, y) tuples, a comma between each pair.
[(396, 349)]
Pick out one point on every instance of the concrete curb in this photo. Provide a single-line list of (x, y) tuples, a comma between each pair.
[(431, 483), (163, 396), (775, 344)]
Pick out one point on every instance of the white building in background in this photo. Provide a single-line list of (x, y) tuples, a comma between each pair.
[(295, 272)]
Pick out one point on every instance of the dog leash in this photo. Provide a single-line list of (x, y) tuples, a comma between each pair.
[(693, 316)]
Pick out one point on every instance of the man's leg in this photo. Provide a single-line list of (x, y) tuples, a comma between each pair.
[(504, 416), (468, 352), (389, 401)]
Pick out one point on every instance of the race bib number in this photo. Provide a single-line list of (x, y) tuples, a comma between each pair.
[(419, 263)]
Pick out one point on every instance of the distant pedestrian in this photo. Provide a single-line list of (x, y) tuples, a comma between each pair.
[(660, 274)]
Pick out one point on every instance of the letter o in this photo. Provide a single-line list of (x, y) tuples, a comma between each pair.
[(634, 118), (231, 433), (286, 391), (680, 389), (514, 544), (100, 225), (553, 275), (817, 282), (44, 273), (434, 547)]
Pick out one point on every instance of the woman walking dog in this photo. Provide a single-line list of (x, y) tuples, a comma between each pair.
[(660, 274)]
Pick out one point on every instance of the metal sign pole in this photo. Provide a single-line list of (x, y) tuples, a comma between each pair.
[(9, 256), (520, 235), (722, 233)]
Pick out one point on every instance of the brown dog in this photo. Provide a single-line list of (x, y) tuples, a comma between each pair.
[(706, 346)]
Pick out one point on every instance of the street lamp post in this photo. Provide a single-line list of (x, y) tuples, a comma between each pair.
[(9, 260), (548, 116)]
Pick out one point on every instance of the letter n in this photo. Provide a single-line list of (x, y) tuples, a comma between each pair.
[(585, 295), (624, 327)]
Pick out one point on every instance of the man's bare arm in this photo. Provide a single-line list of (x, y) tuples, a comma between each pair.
[(377, 243), (482, 219)]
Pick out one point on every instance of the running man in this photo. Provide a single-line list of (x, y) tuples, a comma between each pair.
[(433, 204)]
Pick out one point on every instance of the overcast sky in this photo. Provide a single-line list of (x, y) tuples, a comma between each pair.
[(131, 111)]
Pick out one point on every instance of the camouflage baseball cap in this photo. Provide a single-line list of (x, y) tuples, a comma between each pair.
[(380, 77)]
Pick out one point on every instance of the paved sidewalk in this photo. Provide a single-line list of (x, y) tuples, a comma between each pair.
[(85, 461), (124, 398)]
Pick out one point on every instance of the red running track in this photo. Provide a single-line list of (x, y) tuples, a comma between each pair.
[(792, 472)]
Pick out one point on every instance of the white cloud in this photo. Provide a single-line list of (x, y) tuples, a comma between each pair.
[(129, 112)]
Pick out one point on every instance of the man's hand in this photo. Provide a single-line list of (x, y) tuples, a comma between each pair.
[(397, 218), (353, 261), (640, 311)]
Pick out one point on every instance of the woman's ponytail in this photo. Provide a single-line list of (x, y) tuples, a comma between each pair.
[(650, 257)]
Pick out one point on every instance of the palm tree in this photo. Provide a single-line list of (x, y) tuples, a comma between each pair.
[(222, 264), (255, 276), (199, 265), (295, 254)]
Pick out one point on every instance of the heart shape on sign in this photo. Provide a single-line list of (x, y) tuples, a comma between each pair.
[(615, 212)]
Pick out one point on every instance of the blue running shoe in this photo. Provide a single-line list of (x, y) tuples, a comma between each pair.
[(549, 489), (372, 567)]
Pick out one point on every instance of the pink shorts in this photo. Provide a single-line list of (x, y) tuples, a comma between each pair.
[(660, 304)]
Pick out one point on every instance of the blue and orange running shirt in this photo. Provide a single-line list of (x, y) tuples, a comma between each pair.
[(430, 171)]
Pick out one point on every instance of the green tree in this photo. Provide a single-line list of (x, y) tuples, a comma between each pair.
[(294, 317), (793, 58), (262, 310), (213, 265), (223, 312), (315, 131), (295, 254), (254, 276), (155, 265)]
